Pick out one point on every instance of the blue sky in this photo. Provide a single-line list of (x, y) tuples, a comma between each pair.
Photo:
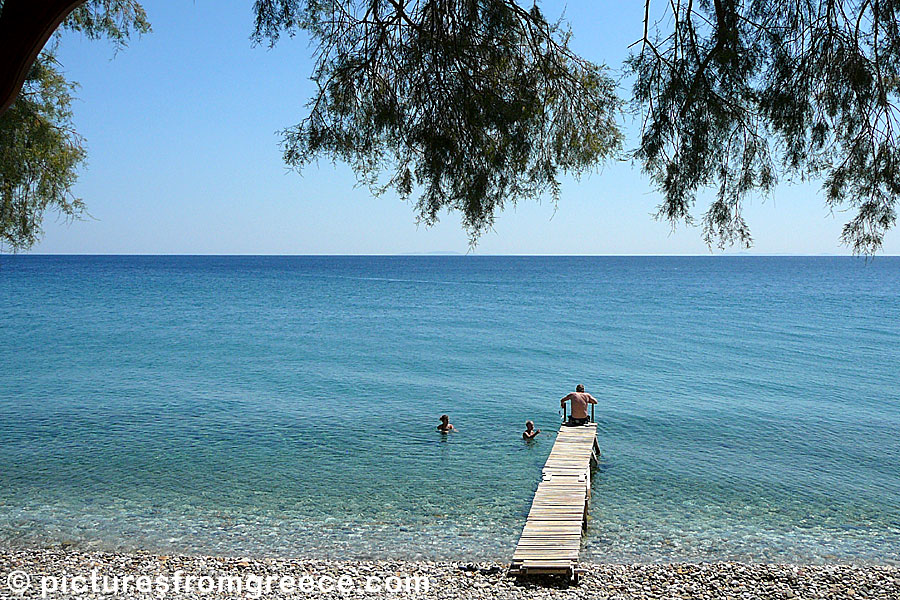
[(181, 131)]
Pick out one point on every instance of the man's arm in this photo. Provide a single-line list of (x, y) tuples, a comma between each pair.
[(565, 399), (591, 399)]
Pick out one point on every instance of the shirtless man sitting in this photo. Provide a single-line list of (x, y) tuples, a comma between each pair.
[(580, 400)]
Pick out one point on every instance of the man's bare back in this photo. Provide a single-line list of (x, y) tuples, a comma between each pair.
[(580, 400)]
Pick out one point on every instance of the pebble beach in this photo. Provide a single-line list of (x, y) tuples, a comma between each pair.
[(445, 579)]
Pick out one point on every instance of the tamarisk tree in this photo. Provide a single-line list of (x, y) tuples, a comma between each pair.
[(737, 95), (40, 150), (471, 104)]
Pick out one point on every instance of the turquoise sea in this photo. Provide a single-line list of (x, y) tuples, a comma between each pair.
[(749, 406)]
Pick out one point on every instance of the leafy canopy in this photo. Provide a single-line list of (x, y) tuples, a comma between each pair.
[(736, 95), (39, 156), (473, 104), (40, 151)]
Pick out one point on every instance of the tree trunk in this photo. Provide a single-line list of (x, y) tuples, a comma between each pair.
[(25, 26)]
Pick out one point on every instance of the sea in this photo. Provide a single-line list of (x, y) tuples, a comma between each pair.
[(286, 406)]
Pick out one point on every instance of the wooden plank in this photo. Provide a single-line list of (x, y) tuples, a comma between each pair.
[(546, 555)]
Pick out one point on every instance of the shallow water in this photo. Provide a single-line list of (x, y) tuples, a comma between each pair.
[(749, 407)]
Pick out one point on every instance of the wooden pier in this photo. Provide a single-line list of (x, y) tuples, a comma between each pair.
[(551, 539)]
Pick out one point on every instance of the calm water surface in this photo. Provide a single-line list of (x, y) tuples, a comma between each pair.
[(749, 407)]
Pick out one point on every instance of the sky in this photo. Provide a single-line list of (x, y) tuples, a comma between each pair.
[(183, 158)]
